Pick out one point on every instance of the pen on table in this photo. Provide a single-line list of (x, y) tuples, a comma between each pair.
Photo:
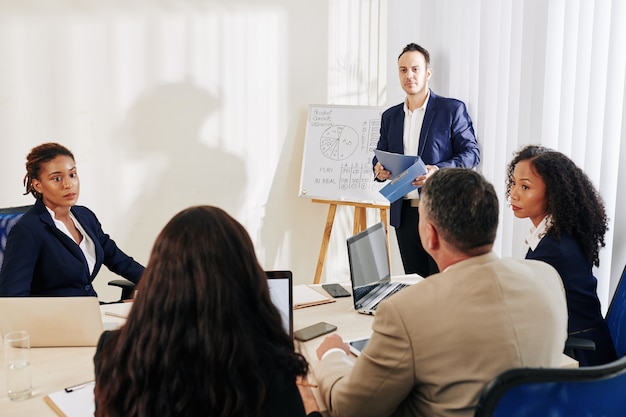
[(78, 386)]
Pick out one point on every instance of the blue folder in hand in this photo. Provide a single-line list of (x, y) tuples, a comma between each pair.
[(400, 185), (395, 163)]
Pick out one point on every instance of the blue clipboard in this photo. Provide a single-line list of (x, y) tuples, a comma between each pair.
[(396, 163), (400, 185)]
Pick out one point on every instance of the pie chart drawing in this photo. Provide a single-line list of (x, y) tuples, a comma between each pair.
[(339, 142)]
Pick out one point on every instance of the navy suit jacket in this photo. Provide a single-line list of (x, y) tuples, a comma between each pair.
[(447, 138), (583, 305), (41, 260)]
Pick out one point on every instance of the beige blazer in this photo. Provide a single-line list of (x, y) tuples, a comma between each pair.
[(435, 344)]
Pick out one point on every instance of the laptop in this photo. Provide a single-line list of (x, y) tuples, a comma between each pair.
[(281, 292), (368, 259), (53, 321)]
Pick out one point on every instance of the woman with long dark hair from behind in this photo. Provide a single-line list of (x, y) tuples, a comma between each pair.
[(569, 224), (203, 337)]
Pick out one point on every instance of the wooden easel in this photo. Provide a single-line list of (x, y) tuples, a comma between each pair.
[(360, 224)]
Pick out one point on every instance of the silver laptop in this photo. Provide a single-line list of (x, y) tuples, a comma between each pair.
[(53, 321), (369, 262)]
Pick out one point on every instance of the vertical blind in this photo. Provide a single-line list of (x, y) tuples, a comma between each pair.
[(534, 72), (548, 72)]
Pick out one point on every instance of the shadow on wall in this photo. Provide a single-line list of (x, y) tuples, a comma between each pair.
[(292, 241), (170, 166)]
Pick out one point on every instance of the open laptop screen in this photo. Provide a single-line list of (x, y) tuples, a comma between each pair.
[(368, 256), (280, 285)]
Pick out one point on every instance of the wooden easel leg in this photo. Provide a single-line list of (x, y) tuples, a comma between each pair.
[(383, 218), (360, 220), (332, 209)]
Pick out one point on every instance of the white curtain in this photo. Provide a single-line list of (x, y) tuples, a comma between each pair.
[(548, 72), (356, 76)]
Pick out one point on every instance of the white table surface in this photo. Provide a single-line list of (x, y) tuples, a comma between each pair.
[(53, 369)]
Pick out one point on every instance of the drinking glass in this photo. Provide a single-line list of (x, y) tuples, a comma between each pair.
[(17, 354)]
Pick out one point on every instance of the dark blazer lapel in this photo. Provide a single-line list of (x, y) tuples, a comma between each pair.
[(45, 218), (429, 116), (87, 223), (396, 140)]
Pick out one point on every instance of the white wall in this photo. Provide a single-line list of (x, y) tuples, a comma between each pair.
[(168, 104)]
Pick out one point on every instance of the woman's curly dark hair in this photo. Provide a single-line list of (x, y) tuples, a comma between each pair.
[(572, 200)]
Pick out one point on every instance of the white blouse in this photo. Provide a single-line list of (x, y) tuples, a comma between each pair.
[(537, 233), (86, 245)]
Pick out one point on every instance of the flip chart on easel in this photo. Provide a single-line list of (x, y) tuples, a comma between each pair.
[(338, 151)]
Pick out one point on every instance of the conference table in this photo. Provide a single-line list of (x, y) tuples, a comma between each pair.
[(54, 369)]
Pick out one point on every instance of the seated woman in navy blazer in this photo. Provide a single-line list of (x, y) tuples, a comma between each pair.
[(57, 247), (569, 223)]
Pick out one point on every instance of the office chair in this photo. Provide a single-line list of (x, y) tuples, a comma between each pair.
[(616, 317), (594, 391), (616, 320), (127, 287), (10, 215)]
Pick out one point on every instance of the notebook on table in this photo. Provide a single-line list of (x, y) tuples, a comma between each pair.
[(370, 273), (53, 321)]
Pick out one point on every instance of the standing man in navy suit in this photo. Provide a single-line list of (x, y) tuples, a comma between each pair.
[(439, 130)]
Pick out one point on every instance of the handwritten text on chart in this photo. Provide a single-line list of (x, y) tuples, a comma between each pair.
[(339, 147)]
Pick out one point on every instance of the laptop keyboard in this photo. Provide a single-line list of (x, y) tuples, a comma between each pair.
[(375, 296), (392, 292), (361, 292)]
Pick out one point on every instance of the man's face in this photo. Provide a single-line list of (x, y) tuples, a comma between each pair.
[(413, 72)]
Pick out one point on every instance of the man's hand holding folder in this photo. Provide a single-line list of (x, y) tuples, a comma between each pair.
[(404, 169)]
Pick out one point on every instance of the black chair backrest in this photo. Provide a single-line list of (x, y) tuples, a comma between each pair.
[(8, 217), (556, 392), (616, 317)]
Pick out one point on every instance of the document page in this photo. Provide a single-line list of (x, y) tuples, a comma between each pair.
[(79, 402)]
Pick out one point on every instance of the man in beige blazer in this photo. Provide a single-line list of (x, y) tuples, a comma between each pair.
[(435, 344)]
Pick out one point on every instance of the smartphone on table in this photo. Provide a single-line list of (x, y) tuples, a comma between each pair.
[(357, 346), (336, 290), (313, 331)]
